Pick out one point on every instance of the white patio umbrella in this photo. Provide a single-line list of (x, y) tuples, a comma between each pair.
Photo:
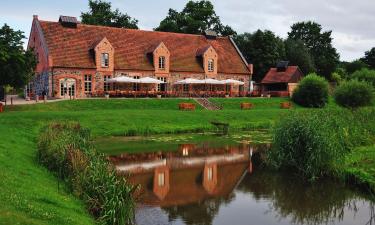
[(231, 81), (212, 81), (122, 79), (149, 80), (190, 81)]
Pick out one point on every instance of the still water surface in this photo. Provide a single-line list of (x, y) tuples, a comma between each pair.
[(205, 179)]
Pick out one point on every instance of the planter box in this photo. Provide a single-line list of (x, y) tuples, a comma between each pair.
[(285, 105), (246, 105), (186, 106)]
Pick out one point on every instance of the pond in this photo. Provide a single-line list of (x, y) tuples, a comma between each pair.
[(208, 179)]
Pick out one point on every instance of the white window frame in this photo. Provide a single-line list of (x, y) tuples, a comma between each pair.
[(88, 83), (210, 172), (106, 86), (211, 65), (164, 79), (161, 62), (161, 179), (105, 60)]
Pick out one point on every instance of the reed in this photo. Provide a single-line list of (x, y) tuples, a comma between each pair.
[(65, 149)]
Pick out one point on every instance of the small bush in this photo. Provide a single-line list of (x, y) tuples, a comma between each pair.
[(313, 142), (312, 91), (353, 94), (365, 75), (66, 150)]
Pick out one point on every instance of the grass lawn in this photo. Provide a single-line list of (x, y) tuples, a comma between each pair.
[(360, 164), (29, 193)]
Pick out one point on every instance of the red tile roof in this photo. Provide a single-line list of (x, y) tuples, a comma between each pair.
[(70, 47), (292, 75)]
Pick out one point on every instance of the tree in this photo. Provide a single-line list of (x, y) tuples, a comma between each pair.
[(355, 65), (262, 48), (311, 92), (319, 43), (354, 94), (101, 14), (16, 65), (298, 55), (369, 58), (195, 18)]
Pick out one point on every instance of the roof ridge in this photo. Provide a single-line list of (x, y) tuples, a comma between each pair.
[(137, 30)]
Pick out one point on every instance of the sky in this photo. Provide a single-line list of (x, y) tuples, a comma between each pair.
[(352, 22)]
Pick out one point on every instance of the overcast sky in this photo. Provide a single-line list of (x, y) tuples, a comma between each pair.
[(352, 22)]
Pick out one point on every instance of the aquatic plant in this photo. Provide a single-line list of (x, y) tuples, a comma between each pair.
[(65, 149), (313, 142)]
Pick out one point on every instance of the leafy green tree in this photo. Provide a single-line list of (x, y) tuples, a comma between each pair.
[(195, 18), (262, 48), (365, 75), (319, 43), (355, 65), (369, 58), (101, 13), (298, 54), (16, 65)]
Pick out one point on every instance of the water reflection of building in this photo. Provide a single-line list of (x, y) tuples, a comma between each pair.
[(189, 175)]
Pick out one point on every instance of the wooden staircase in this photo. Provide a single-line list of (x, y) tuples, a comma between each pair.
[(207, 104)]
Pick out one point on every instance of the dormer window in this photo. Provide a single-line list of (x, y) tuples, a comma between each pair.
[(210, 65), (162, 62), (105, 59)]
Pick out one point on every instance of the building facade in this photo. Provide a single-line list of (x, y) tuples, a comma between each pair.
[(76, 59)]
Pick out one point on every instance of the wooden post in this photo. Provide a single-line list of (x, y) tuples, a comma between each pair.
[(11, 100)]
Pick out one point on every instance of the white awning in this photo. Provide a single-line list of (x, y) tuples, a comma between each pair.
[(212, 81), (122, 79), (231, 81), (190, 81), (149, 80)]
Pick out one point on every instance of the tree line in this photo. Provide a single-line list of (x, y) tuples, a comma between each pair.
[(307, 44)]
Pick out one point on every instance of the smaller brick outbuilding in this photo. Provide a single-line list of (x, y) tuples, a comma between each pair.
[(282, 80)]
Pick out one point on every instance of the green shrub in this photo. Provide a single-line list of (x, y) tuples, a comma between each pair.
[(365, 75), (312, 91), (66, 150), (312, 142), (353, 94)]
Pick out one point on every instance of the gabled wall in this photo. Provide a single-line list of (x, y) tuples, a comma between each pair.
[(161, 50), (104, 46), (210, 53)]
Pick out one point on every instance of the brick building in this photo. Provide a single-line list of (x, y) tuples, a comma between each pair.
[(76, 59), (281, 80)]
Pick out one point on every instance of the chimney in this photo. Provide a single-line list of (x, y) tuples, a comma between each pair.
[(68, 21), (210, 34), (282, 66), (35, 17)]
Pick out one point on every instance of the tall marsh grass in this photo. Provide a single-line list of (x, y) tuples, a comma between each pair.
[(312, 142), (66, 150)]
